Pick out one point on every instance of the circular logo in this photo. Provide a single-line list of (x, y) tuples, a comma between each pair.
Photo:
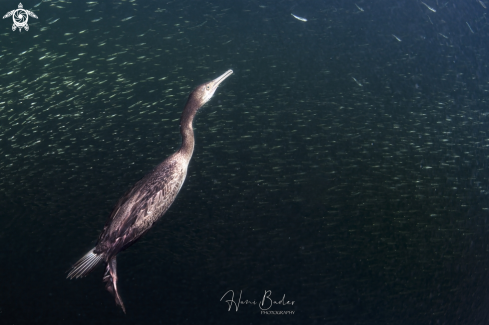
[(20, 17)]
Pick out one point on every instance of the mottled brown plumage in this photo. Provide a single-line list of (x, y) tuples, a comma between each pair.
[(137, 211)]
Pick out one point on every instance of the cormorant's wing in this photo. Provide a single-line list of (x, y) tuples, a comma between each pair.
[(30, 13), (10, 13), (155, 193), (148, 196)]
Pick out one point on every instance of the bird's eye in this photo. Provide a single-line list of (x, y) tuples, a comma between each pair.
[(207, 87)]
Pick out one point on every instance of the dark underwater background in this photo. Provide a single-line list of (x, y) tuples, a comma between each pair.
[(344, 164)]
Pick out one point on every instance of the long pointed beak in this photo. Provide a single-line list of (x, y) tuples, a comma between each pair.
[(216, 82)]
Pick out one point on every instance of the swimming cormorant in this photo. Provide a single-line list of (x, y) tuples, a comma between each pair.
[(137, 211)]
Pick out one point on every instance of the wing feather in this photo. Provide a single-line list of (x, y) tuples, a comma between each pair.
[(135, 212)]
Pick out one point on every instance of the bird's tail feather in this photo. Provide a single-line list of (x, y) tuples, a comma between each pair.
[(85, 265)]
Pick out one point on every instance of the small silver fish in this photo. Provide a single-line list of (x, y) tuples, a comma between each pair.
[(397, 38), (432, 9), (358, 82), (359, 8), (299, 18)]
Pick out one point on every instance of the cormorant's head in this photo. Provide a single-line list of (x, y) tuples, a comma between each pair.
[(204, 92)]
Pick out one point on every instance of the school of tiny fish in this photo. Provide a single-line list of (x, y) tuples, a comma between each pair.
[(352, 143)]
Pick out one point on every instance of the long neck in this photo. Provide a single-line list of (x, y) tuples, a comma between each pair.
[(186, 129)]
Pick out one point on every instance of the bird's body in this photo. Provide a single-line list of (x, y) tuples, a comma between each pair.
[(137, 211)]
